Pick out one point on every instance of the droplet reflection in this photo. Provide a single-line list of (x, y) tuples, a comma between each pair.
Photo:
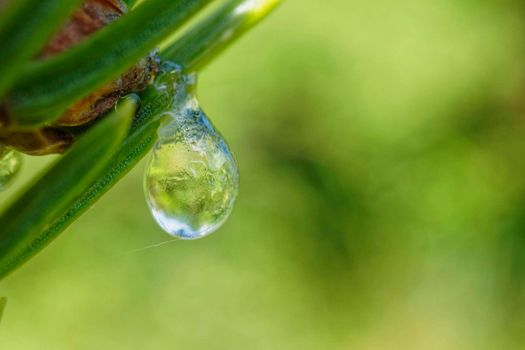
[(192, 179)]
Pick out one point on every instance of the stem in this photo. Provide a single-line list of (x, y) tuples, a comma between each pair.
[(207, 39)]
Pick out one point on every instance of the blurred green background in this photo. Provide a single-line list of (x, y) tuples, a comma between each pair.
[(382, 202)]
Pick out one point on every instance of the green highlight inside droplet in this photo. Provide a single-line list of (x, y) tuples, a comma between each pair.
[(192, 179)]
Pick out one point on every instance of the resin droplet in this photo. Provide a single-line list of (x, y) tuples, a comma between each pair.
[(10, 163), (192, 179)]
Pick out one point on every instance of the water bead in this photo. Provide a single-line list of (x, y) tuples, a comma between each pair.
[(191, 180), (10, 164)]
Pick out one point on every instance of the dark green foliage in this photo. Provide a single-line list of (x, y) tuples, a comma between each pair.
[(25, 26), (51, 194), (46, 89), (105, 154)]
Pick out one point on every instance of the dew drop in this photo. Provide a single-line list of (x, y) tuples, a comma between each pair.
[(191, 180), (10, 164)]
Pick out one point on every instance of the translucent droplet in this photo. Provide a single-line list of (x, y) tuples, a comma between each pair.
[(192, 179), (10, 164)]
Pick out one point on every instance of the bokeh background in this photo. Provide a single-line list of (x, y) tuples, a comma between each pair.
[(382, 205)]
